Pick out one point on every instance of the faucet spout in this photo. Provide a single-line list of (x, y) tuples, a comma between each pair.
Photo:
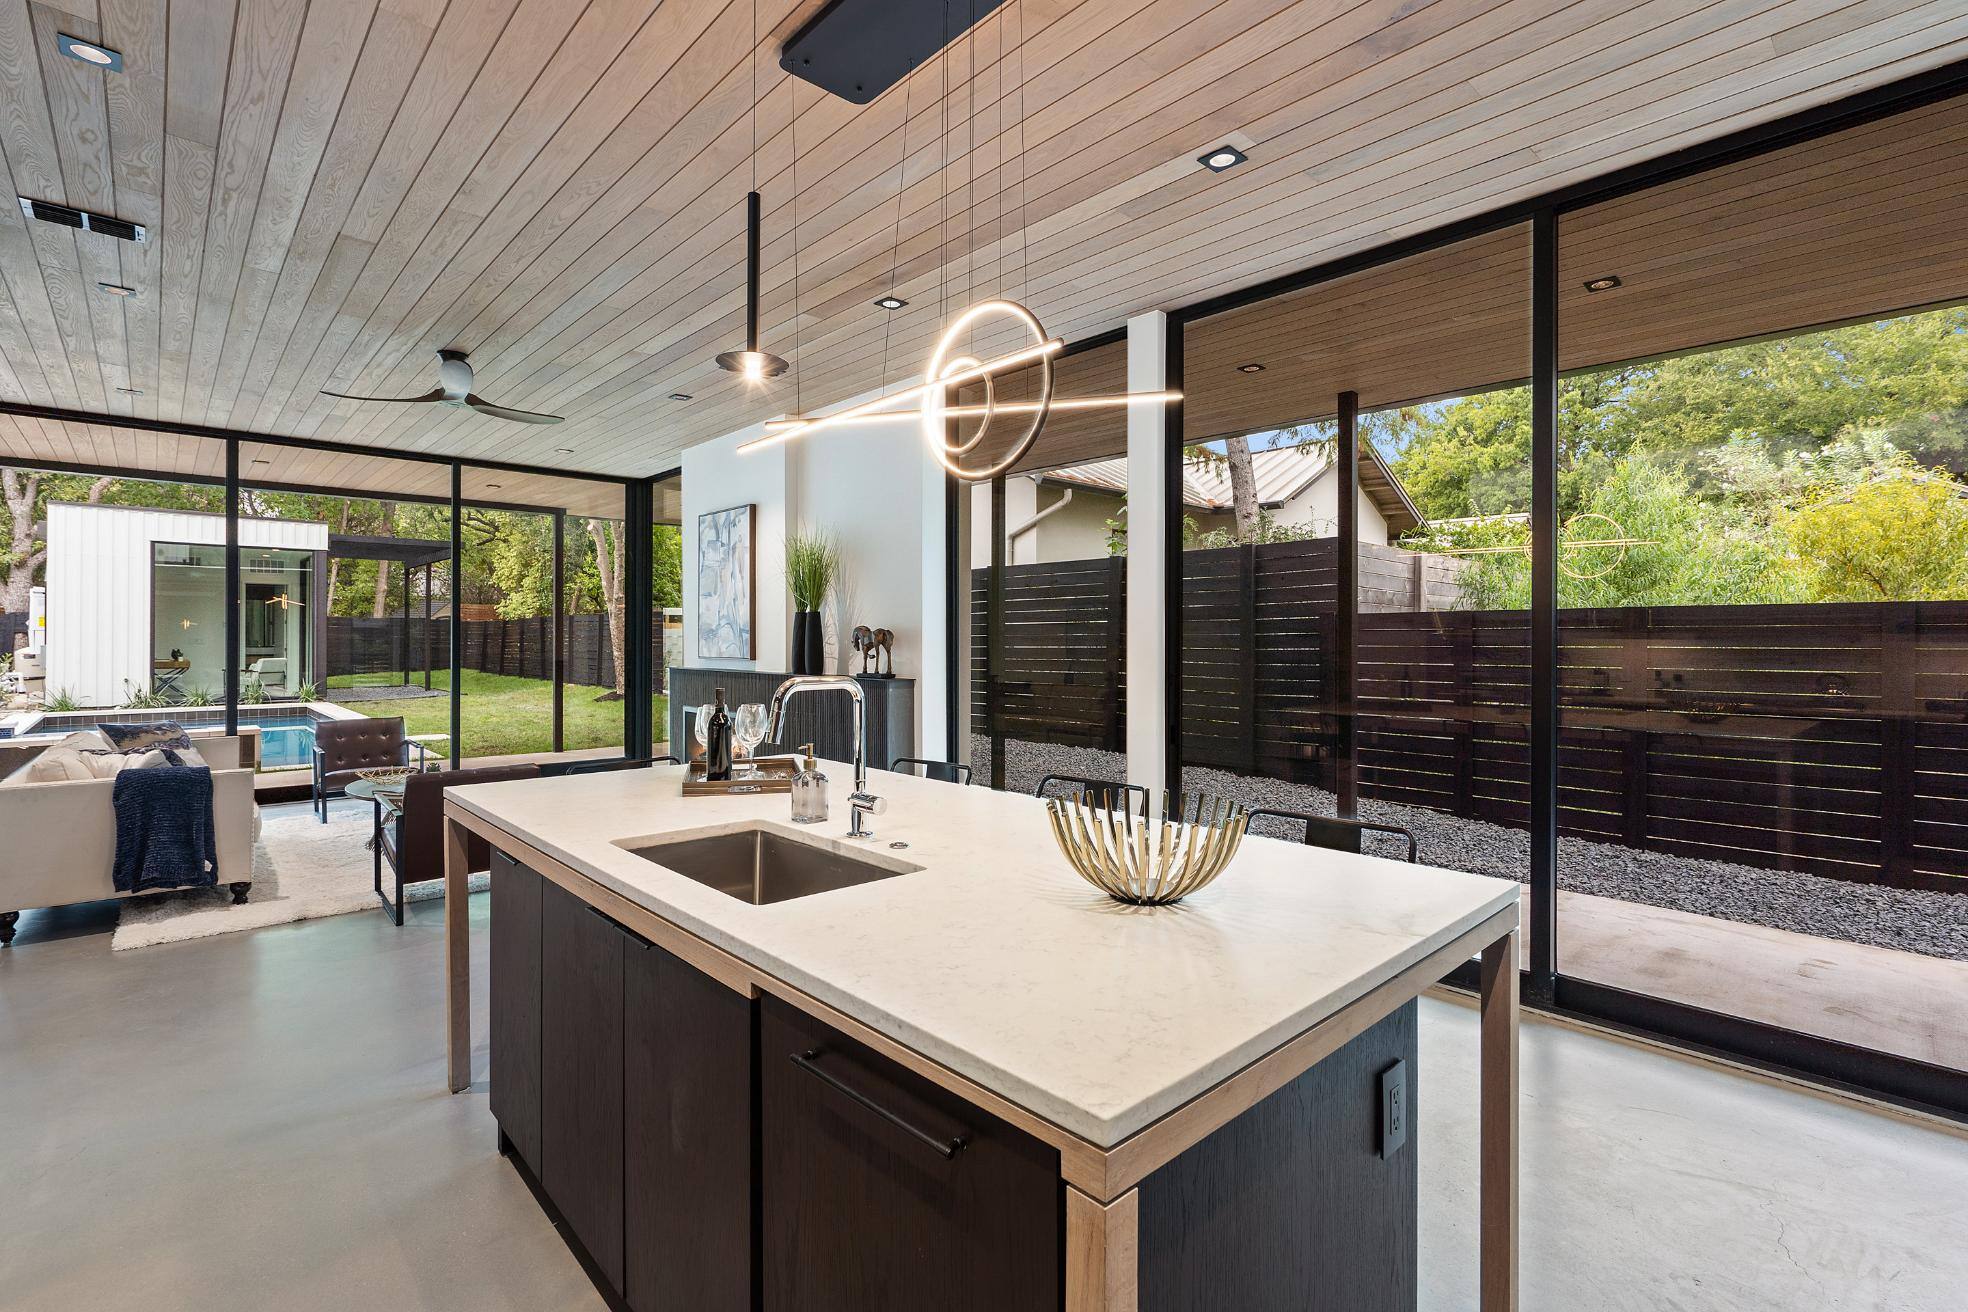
[(862, 803)]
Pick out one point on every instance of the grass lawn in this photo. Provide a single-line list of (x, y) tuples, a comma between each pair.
[(502, 715)]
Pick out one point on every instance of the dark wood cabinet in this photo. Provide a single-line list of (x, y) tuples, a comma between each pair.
[(1292, 1207), (867, 1205), (687, 1082), (515, 1000), (581, 955)]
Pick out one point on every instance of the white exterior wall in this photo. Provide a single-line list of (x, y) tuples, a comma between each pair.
[(99, 597), (1319, 503)]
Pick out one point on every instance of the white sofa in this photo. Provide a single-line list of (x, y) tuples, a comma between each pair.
[(60, 838)]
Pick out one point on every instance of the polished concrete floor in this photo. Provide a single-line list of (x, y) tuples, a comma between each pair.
[(258, 1121)]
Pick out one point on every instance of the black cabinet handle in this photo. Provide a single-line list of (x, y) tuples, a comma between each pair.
[(947, 1148), (617, 925)]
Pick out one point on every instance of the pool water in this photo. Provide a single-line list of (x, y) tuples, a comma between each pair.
[(285, 743)]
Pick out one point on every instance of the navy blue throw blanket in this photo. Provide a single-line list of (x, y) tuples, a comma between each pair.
[(164, 832)]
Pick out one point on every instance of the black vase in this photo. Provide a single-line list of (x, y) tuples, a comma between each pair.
[(809, 643)]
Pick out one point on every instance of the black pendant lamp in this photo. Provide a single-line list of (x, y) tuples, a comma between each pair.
[(752, 363)]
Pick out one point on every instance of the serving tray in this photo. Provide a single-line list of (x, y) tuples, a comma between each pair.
[(775, 775)]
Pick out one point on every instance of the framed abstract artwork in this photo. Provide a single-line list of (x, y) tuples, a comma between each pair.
[(724, 584)]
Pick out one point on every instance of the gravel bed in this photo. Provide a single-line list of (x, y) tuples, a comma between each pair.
[(1910, 920)]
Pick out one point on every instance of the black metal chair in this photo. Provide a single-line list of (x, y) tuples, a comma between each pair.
[(949, 772), (1103, 791), (1340, 835)]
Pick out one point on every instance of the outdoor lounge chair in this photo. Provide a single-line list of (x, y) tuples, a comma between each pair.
[(345, 748)]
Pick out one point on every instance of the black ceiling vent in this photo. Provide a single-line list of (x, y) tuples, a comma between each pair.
[(858, 49), (107, 225)]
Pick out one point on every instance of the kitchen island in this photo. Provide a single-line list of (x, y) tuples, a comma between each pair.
[(959, 1077)]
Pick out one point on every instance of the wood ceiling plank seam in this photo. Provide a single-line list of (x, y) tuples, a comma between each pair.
[(39, 361), (1379, 226), (579, 197), (34, 163), (1868, 145), (1365, 185), (136, 103), (444, 74), (188, 171), (78, 119), (1271, 79), (266, 40), (560, 93), (391, 56), (534, 32), (1884, 169), (331, 45), (1895, 210)]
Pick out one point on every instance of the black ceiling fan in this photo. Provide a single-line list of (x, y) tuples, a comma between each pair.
[(454, 373)]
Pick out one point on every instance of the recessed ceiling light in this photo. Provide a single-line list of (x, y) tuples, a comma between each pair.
[(131, 391), (679, 396), (563, 450), (1222, 159), (89, 52), (1604, 284), (116, 289), (1252, 368), (261, 460), (890, 302)]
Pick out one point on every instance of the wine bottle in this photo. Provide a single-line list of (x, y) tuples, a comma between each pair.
[(717, 743)]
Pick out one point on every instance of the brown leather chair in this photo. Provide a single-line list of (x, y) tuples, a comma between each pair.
[(414, 841), (344, 748)]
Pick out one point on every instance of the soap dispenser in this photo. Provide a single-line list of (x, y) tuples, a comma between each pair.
[(809, 791)]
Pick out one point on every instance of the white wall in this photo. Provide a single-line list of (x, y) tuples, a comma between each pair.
[(99, 587), (879, 493), (716, 476), (1319, 504)]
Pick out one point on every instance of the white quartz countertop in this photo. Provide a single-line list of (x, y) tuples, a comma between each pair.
[(997, 960)]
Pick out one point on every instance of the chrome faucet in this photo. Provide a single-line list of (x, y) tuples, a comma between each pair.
[(860, 802)]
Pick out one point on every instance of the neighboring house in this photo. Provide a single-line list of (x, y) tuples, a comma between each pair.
[(1063, 514), (136, 601)]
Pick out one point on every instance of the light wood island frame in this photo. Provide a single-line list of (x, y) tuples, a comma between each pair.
[(1101, 1202)]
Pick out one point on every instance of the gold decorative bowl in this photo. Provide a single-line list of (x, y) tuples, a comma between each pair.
[(383, 774), (1142, 862)]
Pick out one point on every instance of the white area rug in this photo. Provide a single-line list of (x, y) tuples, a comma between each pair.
[(302, 869)]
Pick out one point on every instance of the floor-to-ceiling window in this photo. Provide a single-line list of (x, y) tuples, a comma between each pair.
[(1763, 583), (542, 608), (1405, 703), (665, 598), (1047, 630)]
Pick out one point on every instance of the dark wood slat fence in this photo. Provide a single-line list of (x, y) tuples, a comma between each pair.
[(519, 647), (1829, 739)]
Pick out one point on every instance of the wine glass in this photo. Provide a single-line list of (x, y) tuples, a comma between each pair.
[(700, 727), (749, 729)]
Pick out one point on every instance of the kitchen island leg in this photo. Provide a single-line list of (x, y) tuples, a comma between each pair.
[(1497, 1006), (457, 952), (1102, 1252)]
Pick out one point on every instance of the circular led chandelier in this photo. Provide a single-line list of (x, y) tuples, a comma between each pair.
[(941, 417)]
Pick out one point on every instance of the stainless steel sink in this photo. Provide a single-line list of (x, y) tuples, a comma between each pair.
[(759, 865)]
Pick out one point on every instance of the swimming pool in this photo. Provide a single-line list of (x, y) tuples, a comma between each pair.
[(285, 742)]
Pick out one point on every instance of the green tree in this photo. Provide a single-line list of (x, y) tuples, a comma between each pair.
[(1902, 537)]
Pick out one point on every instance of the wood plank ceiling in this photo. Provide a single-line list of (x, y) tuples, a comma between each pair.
[(338, 188)]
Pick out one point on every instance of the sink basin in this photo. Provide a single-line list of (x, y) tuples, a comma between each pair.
[(760, 865)]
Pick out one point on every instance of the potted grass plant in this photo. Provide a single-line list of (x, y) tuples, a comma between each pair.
[(812, 566)]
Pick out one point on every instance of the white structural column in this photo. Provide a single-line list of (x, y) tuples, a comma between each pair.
[(1147, 534), (933, 670)]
